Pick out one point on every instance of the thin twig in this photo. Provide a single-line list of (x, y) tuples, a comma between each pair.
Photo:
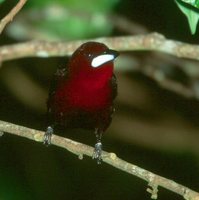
[(124, 24), (174, 86), (9, 17), (81, 149)]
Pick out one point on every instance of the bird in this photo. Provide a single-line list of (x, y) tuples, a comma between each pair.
[(82, 94)]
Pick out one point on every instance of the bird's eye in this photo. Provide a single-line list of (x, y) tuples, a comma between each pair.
[(101, 59)]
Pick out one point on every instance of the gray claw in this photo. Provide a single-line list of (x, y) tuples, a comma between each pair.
[(48, 135), (97, 154)]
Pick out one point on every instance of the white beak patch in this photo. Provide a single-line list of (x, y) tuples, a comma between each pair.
[(100, 60)]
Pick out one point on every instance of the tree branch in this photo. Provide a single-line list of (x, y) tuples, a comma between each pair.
[(153, 41), (81, 149), (167, 83), (9, 17)]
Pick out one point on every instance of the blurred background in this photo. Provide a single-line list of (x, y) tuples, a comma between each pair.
[(156, 123)]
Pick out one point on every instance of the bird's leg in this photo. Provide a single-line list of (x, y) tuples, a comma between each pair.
[(48, 135), (97, 154)]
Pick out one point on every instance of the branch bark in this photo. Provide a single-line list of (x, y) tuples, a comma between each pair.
[(9, 17), (110, 158), (153, 41)]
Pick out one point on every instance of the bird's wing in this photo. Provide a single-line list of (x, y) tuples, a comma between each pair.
[(60, 74)]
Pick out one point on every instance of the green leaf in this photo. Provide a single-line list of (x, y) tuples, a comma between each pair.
[(77, 5), (191, 14), (1, 1), (194, 3), (64, 19)]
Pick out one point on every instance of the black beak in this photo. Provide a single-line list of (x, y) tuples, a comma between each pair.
[(112, 52)]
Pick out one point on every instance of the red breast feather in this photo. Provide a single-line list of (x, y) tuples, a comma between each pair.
[(83, 97)]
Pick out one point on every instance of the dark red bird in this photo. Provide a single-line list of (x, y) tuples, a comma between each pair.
[(81, 95)]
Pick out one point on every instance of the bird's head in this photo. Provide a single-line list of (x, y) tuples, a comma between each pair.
[(92, 57)]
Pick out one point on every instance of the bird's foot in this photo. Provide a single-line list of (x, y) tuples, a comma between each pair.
[(97, 154), (48, 135)]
